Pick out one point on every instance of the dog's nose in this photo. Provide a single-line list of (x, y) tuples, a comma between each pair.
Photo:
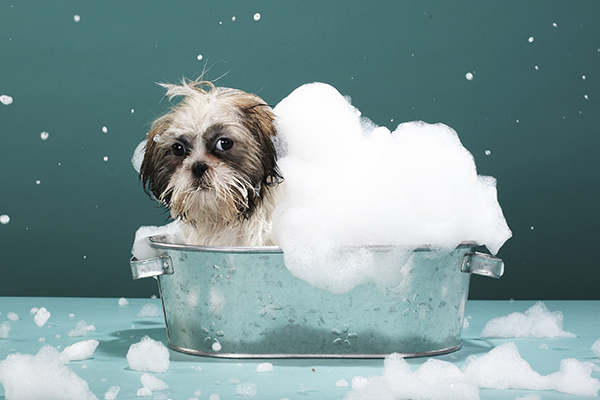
[(198, 169)]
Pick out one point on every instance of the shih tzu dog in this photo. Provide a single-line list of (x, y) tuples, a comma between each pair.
[(212, 161)]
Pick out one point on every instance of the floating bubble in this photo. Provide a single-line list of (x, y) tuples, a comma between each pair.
[(132, 110), (6, 100), (469, 76), (531, 39), (44, 135), (488, 152), (199, 57), (583, 77), (105, 158), (256, 16), (4, 219), (233, 18), (554, 24), (77, 18), (104, 129)]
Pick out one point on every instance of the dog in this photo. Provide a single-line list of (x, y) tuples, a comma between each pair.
[(212, 161)]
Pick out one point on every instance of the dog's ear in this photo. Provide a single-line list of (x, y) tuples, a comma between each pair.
[(154, 174), (260, 121)]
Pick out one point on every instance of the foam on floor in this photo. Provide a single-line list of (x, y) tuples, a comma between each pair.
[(536, 322)]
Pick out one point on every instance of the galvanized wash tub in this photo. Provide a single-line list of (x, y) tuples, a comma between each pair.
[(242, 302)]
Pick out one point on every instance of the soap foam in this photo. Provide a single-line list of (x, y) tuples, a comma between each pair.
[(501, 368), (351, 183), (536, 322), (43, 376), (81, 329), (504, 368), (153, 383), (148, 355), (596, 348), (82, 350)]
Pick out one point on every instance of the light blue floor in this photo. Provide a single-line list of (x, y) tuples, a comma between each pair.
[(118, 327)]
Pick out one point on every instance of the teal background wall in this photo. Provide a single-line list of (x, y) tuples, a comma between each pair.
[(528, 104)]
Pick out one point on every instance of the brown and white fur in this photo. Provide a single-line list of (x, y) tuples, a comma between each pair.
[(212, 161)]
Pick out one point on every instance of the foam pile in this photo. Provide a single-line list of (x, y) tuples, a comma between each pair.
[(4, 330), (504, 368), (150, 310), (141, 245), (435, 379), (112, 393), (596, 348), (43, 376), (352, 183), (148, 355), (41, 316), (81, 329), (501, 368), (81, 350), (536, 322)]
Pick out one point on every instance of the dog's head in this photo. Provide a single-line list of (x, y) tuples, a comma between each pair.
[(212, 156)]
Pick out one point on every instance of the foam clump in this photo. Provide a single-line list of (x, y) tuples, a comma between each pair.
[(123, 301), (596, 348), (42, 376), (351, 183), (504, 368), (501, 368), (112, 392), (264, 367), (141, 246), (246, 389), (153, 383), (41, 316), (4, 330), (536, 322), (82, 350), (150, 310), (435, 379), (81, 329), (12, 316), (148, 355)]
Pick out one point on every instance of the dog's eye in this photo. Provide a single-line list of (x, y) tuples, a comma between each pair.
[(224, 144), (178, 150)]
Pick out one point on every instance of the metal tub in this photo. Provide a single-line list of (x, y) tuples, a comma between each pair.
[(242, 302)]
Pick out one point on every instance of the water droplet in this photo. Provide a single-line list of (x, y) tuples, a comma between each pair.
[(256, 16), (233, 18), (132, 110), (532, 228), (554, 24), (585, 96), (44, 135), (216, 346), (583, 77)]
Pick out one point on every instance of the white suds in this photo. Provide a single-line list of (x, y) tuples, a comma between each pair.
[(536, 322), (150, 310), (596, 348), (6, 100), (41, 316), (112, 392), (264, 367), (148, 355), (123, 301), (43, 376), (402, 192), (4, 219), (81, 329), (82, 350), (246, 389)]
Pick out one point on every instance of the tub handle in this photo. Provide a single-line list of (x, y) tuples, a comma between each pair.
[(482, 264), (162, 265)]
